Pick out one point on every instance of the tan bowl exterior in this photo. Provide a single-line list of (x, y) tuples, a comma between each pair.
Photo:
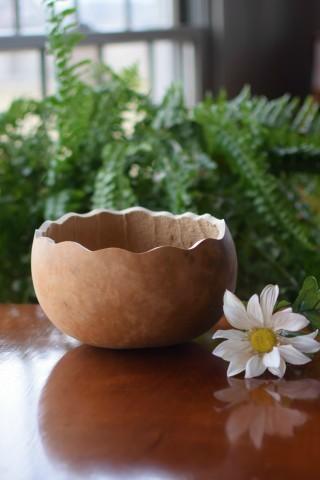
[(117, 298)]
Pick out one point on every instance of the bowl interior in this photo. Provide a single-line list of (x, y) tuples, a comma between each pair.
[(135, 230)]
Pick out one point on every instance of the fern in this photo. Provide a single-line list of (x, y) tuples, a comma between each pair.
[(112, 187), (65, 106), (240, 144), (104, 144)]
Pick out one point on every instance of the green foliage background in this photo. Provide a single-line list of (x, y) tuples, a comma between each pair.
[(100, 143)]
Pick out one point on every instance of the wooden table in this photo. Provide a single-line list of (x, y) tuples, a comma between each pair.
[(69, 411)]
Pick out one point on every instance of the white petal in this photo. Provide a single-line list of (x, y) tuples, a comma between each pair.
[(292, 355), (254, 367), (235, 311), (304, 343), (286, 419), (254, 311), (238, 363), (274, 395), (239, 421), (230, 334), (279, 372), (232, 395), (313, 334), (306, 388), (234, 368), (272, 359), (229, 348), (257, 427), (286, 320), (268, 299)]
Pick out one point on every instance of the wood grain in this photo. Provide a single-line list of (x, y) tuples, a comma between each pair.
[(70, 411)]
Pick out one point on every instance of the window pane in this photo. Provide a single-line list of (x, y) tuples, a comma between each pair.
[(188, 73), (122, 55), (152, 14), (6, 17), (164, 73), (85, 52), (51, 81), (102, 15), (32, 13), (19, 76), (32, 16)]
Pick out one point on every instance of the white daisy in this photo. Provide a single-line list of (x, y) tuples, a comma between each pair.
[(258, 340)]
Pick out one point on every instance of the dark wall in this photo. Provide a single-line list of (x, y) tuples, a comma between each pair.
[(265, 43)]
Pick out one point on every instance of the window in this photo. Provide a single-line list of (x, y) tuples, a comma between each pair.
[(19, 75), (117, 54), (118, 32), (31, 16), (6, 17), (152, 14), (103, 15)]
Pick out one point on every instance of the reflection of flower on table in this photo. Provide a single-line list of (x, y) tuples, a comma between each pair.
[(260, 407)]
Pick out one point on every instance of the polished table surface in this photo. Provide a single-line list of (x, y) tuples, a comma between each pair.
[(70, 411)]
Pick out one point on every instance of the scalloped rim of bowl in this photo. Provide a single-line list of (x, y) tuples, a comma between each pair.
[(218, 223)]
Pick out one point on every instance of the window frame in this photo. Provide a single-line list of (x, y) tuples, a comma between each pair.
[(180, 33)]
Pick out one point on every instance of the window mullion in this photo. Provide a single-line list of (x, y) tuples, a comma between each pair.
[(77, 11), (128, 14), (43, 71), (17, 16), (151, 66)]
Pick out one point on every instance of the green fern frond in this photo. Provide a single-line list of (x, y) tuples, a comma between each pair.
[(112, 187), (263, 189), (241, 146)]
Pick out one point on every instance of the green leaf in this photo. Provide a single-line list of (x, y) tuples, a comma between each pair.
[(282, 304), (308, 301), (309, 295)]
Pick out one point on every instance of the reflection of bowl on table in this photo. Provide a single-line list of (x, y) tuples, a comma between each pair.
[(134, 411), (133, 278)]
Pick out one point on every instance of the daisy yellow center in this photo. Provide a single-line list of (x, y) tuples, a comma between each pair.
[(262, 339)]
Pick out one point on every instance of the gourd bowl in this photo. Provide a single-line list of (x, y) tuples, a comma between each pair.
[(133, 278)]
